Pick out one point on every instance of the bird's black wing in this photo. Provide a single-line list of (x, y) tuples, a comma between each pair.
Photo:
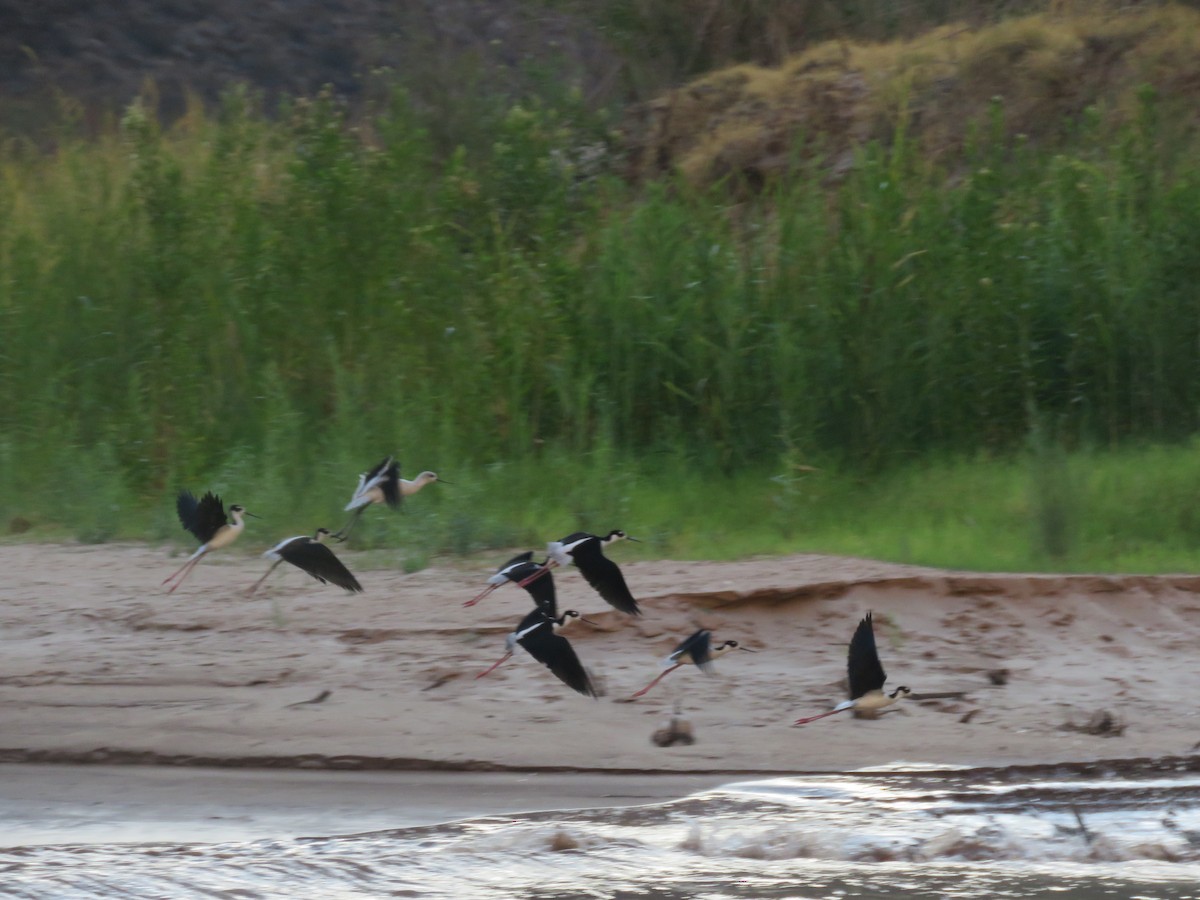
[(376, 470), (391, 485), (519, 558), (201, 517), (532, 618), (187, 506), (698, 649), (605, 577), (865, 670), (541, 589), (320, 562), (556, 653), (386, 476)]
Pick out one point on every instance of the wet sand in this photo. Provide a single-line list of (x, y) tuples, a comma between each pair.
[(98, 664)]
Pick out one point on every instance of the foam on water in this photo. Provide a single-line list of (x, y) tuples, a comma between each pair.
[(938, 834)]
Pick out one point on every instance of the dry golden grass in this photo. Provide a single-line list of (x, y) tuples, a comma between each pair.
[(1044, 70)]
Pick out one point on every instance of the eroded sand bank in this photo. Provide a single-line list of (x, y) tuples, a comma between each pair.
[(98, 663)]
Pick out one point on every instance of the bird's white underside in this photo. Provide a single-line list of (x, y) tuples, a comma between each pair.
[(517, 635), (560, 552), (273, 553)]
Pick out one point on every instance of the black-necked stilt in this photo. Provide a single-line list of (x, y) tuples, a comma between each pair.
[(517, 570), (312, 556), (383, 484), (866, 676), (537, 633), (587, 552), (206, 519), (697, 650)]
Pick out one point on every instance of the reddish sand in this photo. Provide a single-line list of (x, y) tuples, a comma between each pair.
[(99, 663)]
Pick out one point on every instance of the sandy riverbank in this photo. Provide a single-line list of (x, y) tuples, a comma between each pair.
[(97, 662)]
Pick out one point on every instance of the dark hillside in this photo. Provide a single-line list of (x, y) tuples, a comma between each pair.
[(102, 54), (80, 59)]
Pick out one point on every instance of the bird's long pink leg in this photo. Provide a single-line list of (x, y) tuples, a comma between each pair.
[(183, 577), (805, 721), (481, 594), (183, 572), (495, 665), (254, 587), (660, 677), (546, 567), (177, 572)]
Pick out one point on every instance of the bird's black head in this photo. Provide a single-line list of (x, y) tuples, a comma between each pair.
[(734, 645), (901, 691), (619, 536), (321, 533), (575, 614), (236, 508)]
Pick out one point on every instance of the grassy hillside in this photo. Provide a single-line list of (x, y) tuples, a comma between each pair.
[(266, 306), (1044, 75)]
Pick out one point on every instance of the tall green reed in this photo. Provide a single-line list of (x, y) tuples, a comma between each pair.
[(273, 305)]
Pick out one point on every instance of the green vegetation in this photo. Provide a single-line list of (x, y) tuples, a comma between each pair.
[(930, 358), (1047, 72), (1131, 510)]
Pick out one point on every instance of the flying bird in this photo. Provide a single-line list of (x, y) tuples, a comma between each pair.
[(206, 519), (697, 650), (312, 556), (537, 633), (866, 676), (516, 571), (587, 552), (383, 484)]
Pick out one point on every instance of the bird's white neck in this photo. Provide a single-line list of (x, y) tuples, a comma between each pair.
[(411, 487)]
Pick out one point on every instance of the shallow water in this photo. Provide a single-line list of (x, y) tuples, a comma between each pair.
[(1127, 833)]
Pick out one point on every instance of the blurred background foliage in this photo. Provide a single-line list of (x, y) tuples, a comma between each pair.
[(915, 280)]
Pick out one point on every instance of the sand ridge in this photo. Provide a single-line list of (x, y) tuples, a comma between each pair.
[(99, 663)]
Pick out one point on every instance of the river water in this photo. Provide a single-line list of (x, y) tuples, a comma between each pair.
[(1132, 831)]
